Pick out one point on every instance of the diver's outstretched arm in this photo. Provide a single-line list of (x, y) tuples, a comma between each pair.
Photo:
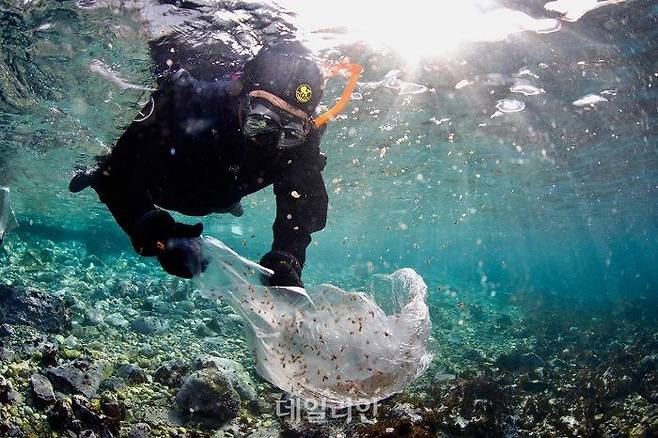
[(301, 200), (152, 231)]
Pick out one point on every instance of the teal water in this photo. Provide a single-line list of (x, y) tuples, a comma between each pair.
[(534, 206)]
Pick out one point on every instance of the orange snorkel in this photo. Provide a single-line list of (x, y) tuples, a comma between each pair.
[(354, 71)]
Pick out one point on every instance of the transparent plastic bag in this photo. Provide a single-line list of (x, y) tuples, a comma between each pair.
[(323, 344), (7, 217)]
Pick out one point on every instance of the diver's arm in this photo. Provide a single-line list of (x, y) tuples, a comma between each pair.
[(301, 200), (122, 178), (125, 196), (152, 231)]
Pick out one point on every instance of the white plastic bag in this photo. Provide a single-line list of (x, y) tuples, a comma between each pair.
[(7, 217), (323, 344)]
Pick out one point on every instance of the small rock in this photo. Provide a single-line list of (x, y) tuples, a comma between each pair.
[(473, 355), (117, 320), (132, 373), (200, 329), (407, 412), (222, 324), (177, 292), (89, 418), (6, 356), (305, 429), (49, 351), (7, 393), (140, 430), (6, 330), (5, 387), (534, 385), (147, 351), (14, 398), (111, 406), (93, 317), (42, 389), (647, 365), (516, 361), (653, 398), (70, 342), (148, 325), (171, 373), (504, 321), (112, 383)]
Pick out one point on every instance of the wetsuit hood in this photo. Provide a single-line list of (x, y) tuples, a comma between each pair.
[(288, 71)]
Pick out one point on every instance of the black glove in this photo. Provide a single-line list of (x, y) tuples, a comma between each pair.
[(82, 179), (152, 231), (175, 244), (287, 270), (182, 257)]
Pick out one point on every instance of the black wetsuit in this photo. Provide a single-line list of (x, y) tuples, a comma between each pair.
[(190, 156)]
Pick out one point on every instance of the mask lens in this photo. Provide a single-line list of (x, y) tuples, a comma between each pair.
[(292, 135), (264, 122), (258, 124)]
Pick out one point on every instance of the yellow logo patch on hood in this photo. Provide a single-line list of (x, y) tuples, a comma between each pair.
[(303, 93)]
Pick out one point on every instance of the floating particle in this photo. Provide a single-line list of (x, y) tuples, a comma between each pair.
[(590, 100), (510, 105)]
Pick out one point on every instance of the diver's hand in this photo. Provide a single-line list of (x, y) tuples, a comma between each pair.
[(183, 257), (287, 270), (154, 229)]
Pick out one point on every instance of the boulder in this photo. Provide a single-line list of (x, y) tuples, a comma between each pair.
[(28, 306), (208, 398), (92, 420), (42, 389), (61, 416), (232, 371), (79, 376)]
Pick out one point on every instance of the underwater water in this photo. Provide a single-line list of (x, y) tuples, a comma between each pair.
[(504, 150)]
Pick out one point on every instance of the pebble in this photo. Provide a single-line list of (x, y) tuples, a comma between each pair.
[(139, 430)]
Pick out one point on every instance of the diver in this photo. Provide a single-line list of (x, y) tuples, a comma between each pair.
[(199, 147)]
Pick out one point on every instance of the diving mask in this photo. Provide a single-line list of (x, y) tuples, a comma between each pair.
[(287, 128), (290, 126)]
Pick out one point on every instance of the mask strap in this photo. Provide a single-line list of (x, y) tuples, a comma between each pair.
[(355, 71), (279, 103)]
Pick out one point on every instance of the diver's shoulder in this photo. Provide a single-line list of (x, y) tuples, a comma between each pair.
[(180, 81)]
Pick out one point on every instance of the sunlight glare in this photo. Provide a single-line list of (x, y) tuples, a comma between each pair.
[(414, 29)]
